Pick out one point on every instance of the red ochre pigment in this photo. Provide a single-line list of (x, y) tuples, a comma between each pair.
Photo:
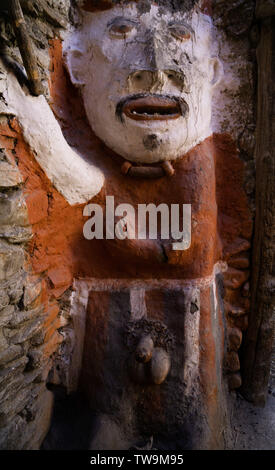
[(209, 177)]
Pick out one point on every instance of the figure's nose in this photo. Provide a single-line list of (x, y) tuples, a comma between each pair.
[(156, 68), (155, 80)]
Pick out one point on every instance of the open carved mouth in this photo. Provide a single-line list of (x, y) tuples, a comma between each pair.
[(151, 108)]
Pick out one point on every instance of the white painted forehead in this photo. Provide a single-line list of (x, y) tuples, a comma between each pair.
[(157, 17)]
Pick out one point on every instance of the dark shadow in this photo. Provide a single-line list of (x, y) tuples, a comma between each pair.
[(73, 423)]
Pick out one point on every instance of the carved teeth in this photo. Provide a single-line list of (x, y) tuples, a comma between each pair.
[(152, 108)]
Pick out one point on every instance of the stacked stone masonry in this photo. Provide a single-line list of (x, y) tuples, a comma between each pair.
[(30, 319)]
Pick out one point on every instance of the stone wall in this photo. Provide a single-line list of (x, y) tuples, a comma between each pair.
[(22, 315), (29, 317)]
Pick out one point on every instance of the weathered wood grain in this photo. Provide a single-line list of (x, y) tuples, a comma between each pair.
[(25, 47), (258, 342)]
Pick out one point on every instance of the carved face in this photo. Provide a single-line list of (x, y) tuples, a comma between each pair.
[(146, 79)]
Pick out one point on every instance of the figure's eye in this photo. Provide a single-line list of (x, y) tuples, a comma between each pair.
[(121, 29), (180, 32)]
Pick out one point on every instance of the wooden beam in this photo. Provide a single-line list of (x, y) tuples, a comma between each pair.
[(25, 47), (258, 342), (42, 9)]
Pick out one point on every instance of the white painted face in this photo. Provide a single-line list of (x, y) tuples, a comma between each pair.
[(146, 79)]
